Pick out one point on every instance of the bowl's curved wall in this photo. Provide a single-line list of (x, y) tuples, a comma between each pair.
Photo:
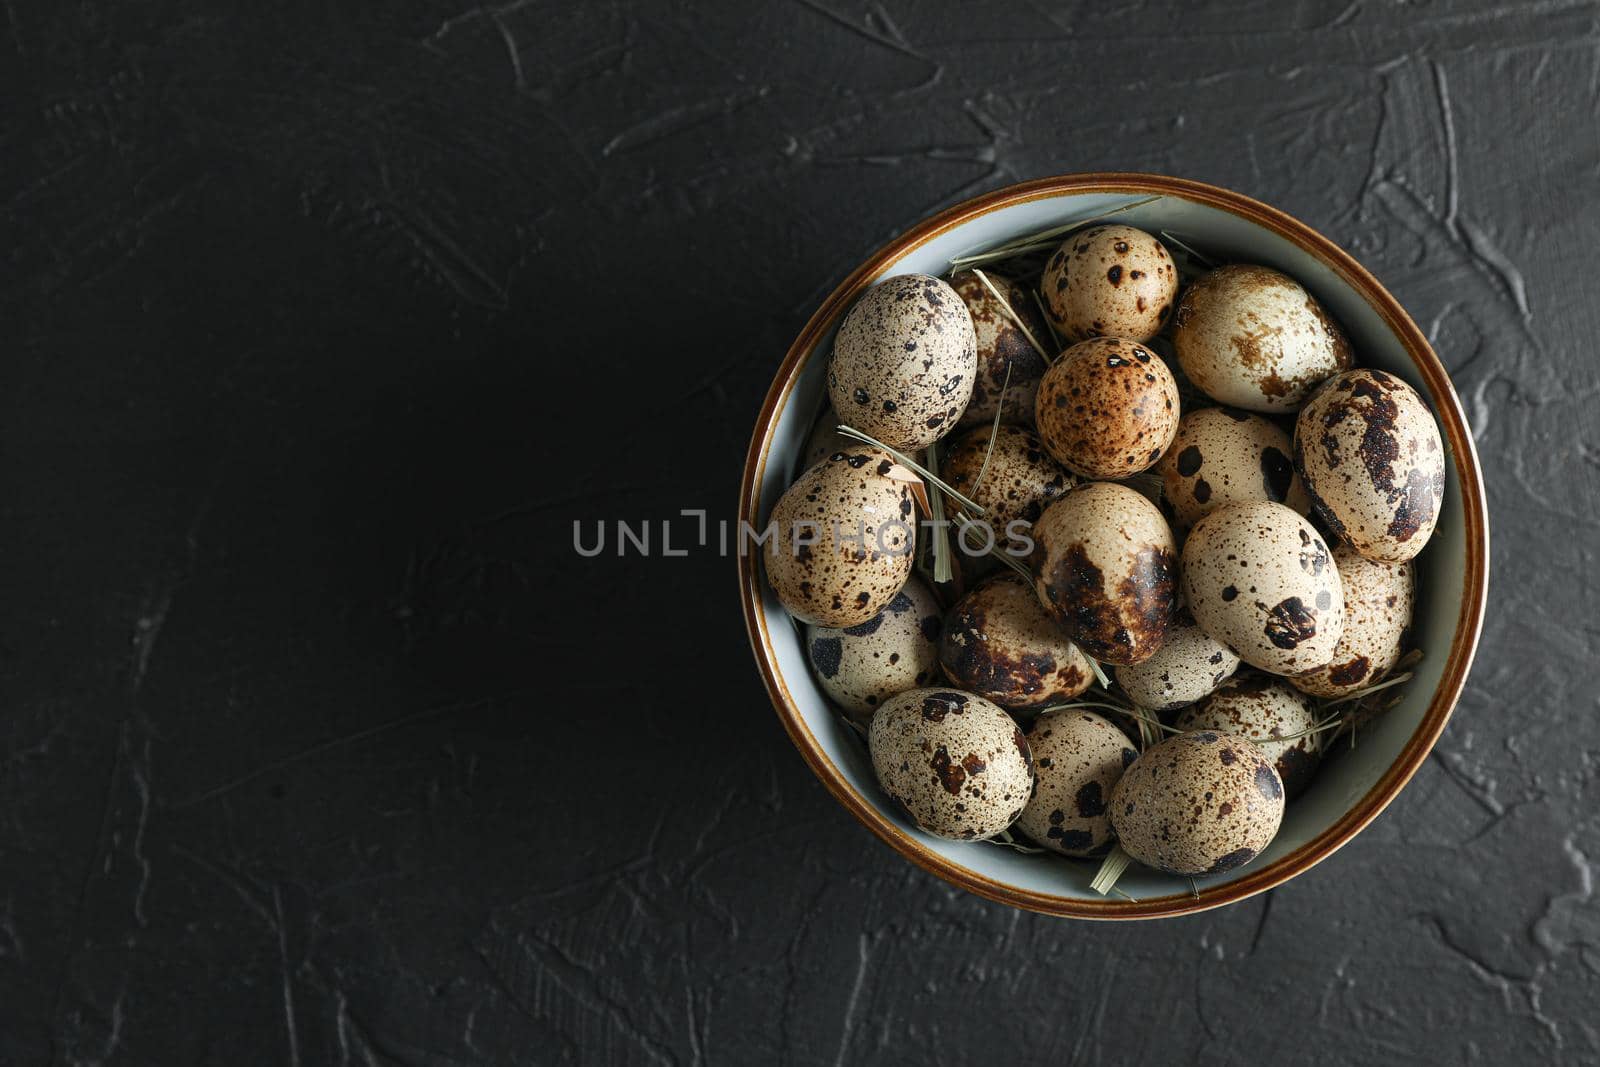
[(1353, 785)]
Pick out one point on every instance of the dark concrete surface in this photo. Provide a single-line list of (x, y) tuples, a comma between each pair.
[(321, 322)]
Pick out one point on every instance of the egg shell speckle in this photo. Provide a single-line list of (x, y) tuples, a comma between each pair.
[(1002, 347), (1378, 601), (1251, 337), (861, 666), (999, 643), (904, 362), (1021, 480), (1369, 452), (1105, 568), (1109, 280), (843, 540), (1262, 708), (1222, 456), (1078, 758), (957, 764), (1259, 578), (1187, 667), (1107, 408), (1198, 803)]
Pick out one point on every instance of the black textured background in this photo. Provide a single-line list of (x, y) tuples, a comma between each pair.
[(321, 322)]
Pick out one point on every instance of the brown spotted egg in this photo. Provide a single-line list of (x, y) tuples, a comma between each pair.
[(1105, 567), (1077, 757), (904, 362), (1110, 281), (1021, 480), (1186, 668), (956, 763), (999, 643), (843, 537), (1378, 600), (1003, 347), (1369, 452), (861, 666), (1107, 408), (1259, 578), (1222, 456), (1271, 714), (1198, 803), (1251, 337)]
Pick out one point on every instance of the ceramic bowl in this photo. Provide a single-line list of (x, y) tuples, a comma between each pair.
[(1353, 785)]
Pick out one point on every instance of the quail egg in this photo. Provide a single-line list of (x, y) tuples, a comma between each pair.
[(1259, 579), (1105, 568), (1107, 408), (904, 362), (1020, 481), (1369, 452), (1003, 347), (842, 539), (1110, 281), (1077, 757), (897, 649), (1378, 600), (1197, 803), (1222, 456), (1186, 668), (1252, 337), (999, 643), (1271, 714), (956, 763)]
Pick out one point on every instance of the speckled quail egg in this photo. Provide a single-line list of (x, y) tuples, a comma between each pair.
[(897, 649), (1002, 346), (999, 643), (1021, 480), (1369, 452), (956, 763), (1222, 456), (1187, 667), (1107, 408), (1263, 709), (843, 537), (1378, 600), (1077, 757), (1110, 281), (1197, 803), (904, 362), (1252, 337), (1105, 567), (824, 441), (1259, 578)]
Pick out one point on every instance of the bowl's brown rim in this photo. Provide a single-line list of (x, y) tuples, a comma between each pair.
[(1447, 406)]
